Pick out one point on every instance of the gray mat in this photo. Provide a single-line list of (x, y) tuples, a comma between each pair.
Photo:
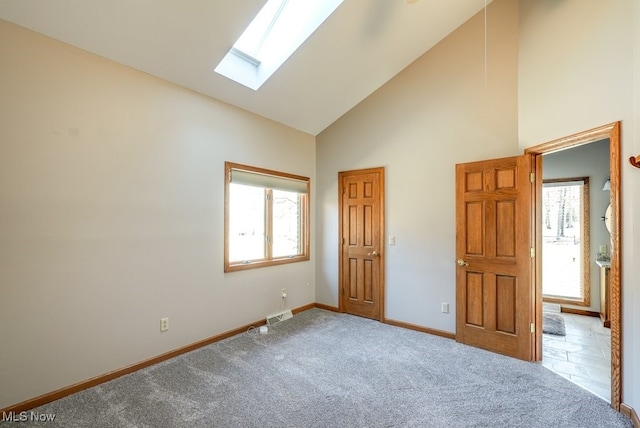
[(553, 324), (322, 369)]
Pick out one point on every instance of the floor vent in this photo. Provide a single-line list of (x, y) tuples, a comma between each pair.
[(279, 317)]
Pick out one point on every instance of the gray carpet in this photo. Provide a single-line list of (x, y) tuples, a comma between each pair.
[(321, 369), (553, 324)]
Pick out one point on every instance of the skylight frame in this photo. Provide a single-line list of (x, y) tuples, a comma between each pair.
[(254, 36), (276, 32)]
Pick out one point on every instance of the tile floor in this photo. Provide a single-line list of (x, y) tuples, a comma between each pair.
[(583, 355)]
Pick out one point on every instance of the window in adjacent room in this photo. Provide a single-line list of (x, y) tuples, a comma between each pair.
[(565, 241), (266, 217)]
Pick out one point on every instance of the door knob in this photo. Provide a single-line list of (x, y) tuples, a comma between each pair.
[(462, 263), (373, 254)]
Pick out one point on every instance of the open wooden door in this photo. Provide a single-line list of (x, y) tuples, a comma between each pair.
[(362, 242), (494, 249)]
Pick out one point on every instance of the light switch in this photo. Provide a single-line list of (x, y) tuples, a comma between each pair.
[(392, 240)]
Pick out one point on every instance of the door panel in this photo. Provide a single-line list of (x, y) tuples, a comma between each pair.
[(475, 291), (493, 242), (474, 228), (506, 304), (362, 242)]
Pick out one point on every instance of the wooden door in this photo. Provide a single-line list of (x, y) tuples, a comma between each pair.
[(362, 242), (494, 295)]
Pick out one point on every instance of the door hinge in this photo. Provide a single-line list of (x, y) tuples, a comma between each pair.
[(533, 328), (532, 177), (533, 252)]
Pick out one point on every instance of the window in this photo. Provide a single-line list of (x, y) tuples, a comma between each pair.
[(565, 241), (266, 217), (280, 28)]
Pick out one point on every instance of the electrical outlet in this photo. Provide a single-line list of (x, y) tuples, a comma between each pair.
[(164, 324), (445, 308), (284, 293)]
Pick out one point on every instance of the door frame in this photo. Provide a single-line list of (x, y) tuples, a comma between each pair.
[(612, 132), (382, 257)]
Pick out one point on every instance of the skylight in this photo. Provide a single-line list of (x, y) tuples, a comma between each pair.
[(280, 28)]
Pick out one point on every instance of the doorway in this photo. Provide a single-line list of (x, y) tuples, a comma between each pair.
[(611, 132), (362, 255)]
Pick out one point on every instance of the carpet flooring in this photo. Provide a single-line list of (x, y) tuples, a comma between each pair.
[(322, 369)]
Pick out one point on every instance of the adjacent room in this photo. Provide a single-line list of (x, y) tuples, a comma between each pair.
[(193, 218), (575, 265)]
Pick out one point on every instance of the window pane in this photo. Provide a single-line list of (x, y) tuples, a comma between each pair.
[(246, 223), (266, 217), (286, 224), (561, 241)]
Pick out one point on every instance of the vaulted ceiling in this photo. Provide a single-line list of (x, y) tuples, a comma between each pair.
[(358, 48)]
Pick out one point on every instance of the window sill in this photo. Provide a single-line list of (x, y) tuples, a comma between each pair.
[(233, 267)]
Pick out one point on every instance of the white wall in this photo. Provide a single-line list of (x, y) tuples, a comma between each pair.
[(631, 228), (579, 69), (575, 62), (434, 114), (111, 215), (589, 160)]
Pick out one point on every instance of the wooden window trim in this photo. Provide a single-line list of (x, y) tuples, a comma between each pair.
[(304, 220)]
